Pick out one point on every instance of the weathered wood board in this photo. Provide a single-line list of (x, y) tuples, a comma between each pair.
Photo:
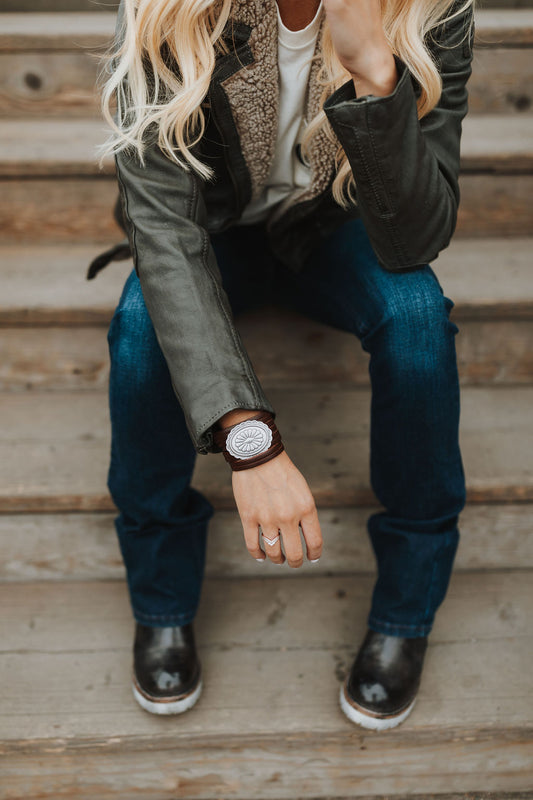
[(488, 279), (54, 448), (58, 359), (66, 649), (59, 84), (85, 547)]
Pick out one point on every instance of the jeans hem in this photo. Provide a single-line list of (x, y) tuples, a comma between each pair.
[(164, 620), (395, 629)]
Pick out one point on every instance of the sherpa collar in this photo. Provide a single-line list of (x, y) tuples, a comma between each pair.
[(253, 95)]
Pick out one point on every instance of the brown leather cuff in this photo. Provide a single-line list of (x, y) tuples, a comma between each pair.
[(237, 464)]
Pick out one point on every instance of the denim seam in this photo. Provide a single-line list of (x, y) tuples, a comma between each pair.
[(432, 581), (394, 625), (166, 617), (218, 290)]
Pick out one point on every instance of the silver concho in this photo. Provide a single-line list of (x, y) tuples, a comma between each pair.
[(248, 438)]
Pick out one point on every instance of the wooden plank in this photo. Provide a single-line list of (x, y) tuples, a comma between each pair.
[(80, 209), (68, 31), (77, 210), (59, 460), (56, 31), (499, 23), (59, 359), (50, 155), (81, 547), (53, 7), (290, 614), (45, 285), (501, 81), (477, 273), (284, 766), (66, 651), (50, 84), (490, 142), (495, 205), (496, 143)]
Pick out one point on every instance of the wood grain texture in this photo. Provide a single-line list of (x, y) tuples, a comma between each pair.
[(49, 84), (303, 354), (68, 147), (487, 279), (54, 449), (84, 546), (508, 23), (77, 209), (495, 205), (66, 650), (501, 81), (80, 209), (62, 84)]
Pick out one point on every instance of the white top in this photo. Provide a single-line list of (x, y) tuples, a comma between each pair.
[(295, 51)]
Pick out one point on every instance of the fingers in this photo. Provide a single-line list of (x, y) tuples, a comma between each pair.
[(289, 535), (272, 544), (251, 537), (312, 534), (292, 544)]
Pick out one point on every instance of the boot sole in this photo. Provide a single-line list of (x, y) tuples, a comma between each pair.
[(167, 707), (364, 718)]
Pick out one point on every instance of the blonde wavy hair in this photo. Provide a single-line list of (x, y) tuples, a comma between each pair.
[(140, 80)]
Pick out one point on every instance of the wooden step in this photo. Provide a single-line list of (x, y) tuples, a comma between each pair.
[(54, 448), (68, 148), (489, 352), (60, 31), (496, 184), (84, 546), (49, 62), (272, 673), (55, 6), (487, 279)]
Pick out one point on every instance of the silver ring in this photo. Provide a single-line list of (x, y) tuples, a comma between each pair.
[(270, 542)]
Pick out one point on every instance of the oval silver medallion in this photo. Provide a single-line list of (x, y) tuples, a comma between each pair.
[(248, 438)]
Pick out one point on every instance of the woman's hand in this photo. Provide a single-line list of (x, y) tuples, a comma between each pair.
[(361, 45), (275, 496)]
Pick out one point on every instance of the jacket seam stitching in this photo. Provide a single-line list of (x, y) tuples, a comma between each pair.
[(389, 217), (225, 408), (134, 247), (205, 246), (127, 213)]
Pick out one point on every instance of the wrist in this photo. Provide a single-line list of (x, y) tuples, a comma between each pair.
[(377, 76), (251, 442)]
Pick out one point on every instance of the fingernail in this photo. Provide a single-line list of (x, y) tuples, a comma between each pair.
[(260, 559), (314, 560)]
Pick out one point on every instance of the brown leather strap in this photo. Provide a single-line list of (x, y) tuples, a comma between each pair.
[(237, 464)]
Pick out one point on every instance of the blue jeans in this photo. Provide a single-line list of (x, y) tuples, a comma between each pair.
[(416, 471)]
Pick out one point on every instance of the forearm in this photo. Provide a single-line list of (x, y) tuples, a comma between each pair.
[(379, 77), (406, 169)]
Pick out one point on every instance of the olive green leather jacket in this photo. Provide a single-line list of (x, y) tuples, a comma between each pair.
[(406, 174)]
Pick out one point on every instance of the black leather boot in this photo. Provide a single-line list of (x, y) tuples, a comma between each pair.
[(381, 689), (166, 669)]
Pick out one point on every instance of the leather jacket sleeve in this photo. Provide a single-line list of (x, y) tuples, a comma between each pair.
[(166, 220), (182, 287), (406, 170)]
